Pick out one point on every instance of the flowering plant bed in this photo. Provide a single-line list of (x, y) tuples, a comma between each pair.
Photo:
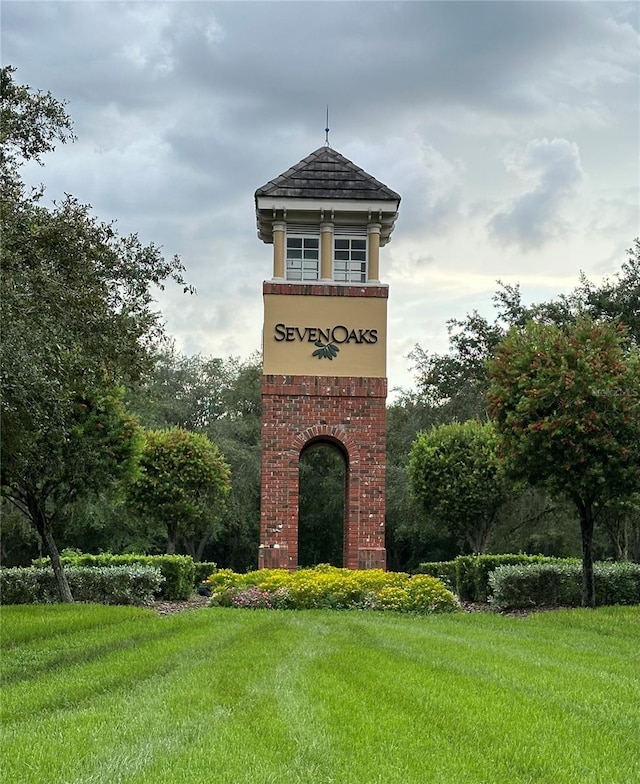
[(327, 587)]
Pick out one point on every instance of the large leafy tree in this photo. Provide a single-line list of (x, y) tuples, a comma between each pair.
[(614, 299), (30, 125), (182, 486), (410, 537), (86, 446), (458, 478), (566, 404), (454, 384), (78, 321), (220, 398), (237, 433), (183, 391)]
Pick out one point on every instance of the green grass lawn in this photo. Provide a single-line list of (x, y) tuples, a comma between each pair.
[(114, 694)]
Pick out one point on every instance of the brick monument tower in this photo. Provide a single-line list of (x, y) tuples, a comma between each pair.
[(324, 346)]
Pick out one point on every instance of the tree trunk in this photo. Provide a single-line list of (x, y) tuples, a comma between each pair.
[(623, 541), (43, 527), (625, 536), (478, 539), (201, 547), (196, 551), (172, 536), (617, 526), (586, 528)]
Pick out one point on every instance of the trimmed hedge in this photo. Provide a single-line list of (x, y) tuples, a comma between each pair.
[(327, 587), (178, 570), (133, 584), (443, 570), (202, 571), (468, 575), (560, 585)]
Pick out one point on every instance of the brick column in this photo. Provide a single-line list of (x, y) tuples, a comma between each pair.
[(342, 410)]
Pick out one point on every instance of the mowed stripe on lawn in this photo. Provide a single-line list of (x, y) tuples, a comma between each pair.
[(107, 694)]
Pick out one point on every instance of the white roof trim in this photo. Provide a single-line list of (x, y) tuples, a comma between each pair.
[(314, 205)]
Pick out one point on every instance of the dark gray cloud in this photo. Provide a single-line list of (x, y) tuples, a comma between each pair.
[(534, 217), (183, 109)]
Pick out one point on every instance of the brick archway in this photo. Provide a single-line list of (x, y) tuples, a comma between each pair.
[(348, 412), (323, 543)]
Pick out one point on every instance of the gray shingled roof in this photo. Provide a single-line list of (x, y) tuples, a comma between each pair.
[(325, 174)]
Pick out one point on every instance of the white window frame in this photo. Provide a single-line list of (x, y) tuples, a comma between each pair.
[(306, 267), (352, 266)]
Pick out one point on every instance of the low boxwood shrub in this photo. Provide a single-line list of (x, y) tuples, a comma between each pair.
[(178, 570), (473, 571), (327, 587), (443, 570), (560, 585), (27, 585), (134, 584), (617, 583), (202, 571), (179, 573), (468, 575)]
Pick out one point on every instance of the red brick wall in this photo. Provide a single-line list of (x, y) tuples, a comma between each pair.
[(348, 412), (324, 289)]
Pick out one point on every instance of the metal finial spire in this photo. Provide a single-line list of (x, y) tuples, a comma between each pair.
[(326, 130)]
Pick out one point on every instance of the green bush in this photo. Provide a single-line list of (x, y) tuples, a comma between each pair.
[(179, 573), (443, 570), (617, 583), (178, 570), (134, 584), (327, 587), (560, 585), (202, 571), (428, 594), (226, 578), (473, 572), (468, 575)]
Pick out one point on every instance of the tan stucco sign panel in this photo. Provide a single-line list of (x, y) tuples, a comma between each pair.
[(341, 336)]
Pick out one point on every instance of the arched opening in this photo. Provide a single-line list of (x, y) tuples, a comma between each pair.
[(321, 503)]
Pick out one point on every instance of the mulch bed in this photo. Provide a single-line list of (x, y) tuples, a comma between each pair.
[(196, 602), (173, 607), (483, 607)]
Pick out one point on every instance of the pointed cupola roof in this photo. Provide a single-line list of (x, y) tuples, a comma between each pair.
[(326, 186), (325, 174)]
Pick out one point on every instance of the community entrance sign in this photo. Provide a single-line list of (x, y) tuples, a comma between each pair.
[(324, 348)]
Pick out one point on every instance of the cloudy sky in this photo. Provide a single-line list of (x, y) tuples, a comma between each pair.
[(510, 129)]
